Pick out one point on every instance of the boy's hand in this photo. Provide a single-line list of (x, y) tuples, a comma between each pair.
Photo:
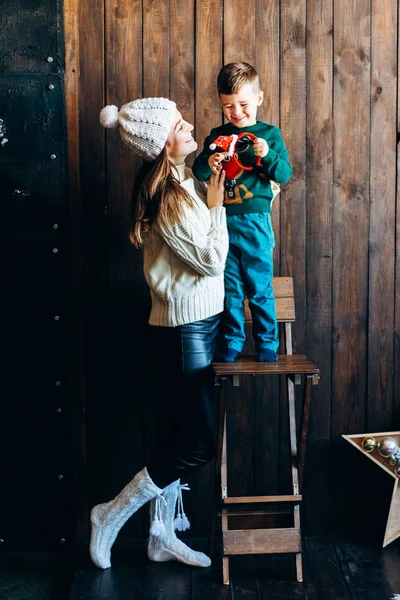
[(215, 161), (260, 147)]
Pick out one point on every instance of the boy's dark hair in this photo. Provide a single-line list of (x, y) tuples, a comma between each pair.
[(235, 75)]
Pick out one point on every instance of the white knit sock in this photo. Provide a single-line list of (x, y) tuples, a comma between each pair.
[(107, 519), (170, 547)]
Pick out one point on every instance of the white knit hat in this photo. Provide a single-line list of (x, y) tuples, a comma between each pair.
[(144, 124)]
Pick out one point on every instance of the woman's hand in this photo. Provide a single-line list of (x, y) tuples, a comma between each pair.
[(215, 191)]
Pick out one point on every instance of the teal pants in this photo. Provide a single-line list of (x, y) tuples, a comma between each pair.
[(249, 271)]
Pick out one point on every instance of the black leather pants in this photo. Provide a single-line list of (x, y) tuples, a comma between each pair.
[(187, 425)]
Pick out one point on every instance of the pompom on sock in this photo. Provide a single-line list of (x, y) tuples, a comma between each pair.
[(181, 522), (171, 548), (157, 527)]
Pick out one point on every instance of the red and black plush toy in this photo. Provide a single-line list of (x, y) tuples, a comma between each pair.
[(234, 145)]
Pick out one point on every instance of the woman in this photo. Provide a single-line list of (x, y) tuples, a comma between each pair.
[(182, 227)]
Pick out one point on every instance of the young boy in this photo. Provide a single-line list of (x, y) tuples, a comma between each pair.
[(260, 160)]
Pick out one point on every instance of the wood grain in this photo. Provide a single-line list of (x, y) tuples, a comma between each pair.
[(293, 205), (260, 541), (182, 61), (93, 200), (339, 240), (156, 48), (124, 72), (207, 110), (267, 63), (350, 218), (208, 61), (72, 74), (382, 215), (319, 250), (396, 225), (239, 30), (246, 365)]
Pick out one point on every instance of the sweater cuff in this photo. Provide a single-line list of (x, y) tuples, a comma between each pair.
[(218, 217), (269, 158)]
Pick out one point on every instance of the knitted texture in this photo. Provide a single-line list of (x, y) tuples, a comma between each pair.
[(170, 547), (184, 264), (144, 124), (107, 519)]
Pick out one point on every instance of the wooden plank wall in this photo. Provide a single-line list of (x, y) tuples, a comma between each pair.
[(329, 71)]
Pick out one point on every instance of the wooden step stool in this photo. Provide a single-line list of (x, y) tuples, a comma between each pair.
[(293, 367)]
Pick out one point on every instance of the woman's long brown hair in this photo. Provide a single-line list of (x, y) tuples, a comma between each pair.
[(157, 197)]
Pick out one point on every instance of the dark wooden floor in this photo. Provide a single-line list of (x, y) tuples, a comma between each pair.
[(333, 569), (35, 576)]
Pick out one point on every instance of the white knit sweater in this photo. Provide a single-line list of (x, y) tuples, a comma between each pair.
[(184, 264)]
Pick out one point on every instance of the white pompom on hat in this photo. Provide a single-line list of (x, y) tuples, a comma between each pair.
[(109, 117), (144, 124)]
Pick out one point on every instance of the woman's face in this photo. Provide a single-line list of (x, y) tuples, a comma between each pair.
[(180, 142)]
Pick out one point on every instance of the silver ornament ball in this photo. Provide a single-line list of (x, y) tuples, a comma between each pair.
[(387, 446)]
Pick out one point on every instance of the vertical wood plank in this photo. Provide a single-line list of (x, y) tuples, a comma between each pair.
[(266, 58), (267, 63), (266, 431), (207, 107), (293, 126), (72, 75), (240, 437), (125, 286), (319, 252), (208, 63), (351, 214), (182, 62), (396, 383), (382, 215), (293, 201), (156, 76), (351, 211), (182, 91), (239, 45), (156, 48), (350, 222), (92, 179), (267, 389), (239, 31)]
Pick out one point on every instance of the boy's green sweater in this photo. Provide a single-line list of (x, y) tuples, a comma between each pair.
[(252, 191)]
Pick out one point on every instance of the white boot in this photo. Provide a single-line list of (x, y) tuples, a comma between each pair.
[(107, 519), (169, 547)]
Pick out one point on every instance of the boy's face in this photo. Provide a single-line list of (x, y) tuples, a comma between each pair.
[(241, 108)]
